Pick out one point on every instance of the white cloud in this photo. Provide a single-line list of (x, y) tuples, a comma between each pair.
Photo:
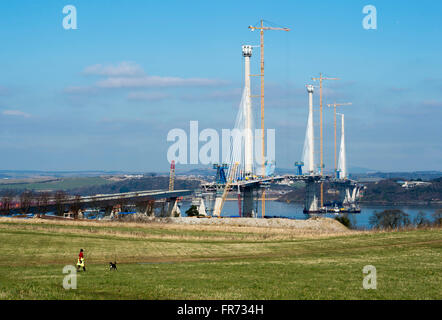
[(122, 69), (156, 81), (16, 113), (129, 75)]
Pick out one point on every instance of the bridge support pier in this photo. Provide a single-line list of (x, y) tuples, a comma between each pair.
[(172, 209), (109, 211), (248, 210), (343, 191), (311, 199), (202, 208), (163, 209), (149, 208), (218, 199)]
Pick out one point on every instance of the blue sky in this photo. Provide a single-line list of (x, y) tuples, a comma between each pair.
[(104, 96)]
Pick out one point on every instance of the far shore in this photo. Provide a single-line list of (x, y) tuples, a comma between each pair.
[(385, 203)]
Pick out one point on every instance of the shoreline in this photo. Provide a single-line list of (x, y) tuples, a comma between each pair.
[(383, 203)]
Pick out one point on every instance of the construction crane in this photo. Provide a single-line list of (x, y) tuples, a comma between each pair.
[(172, 175), (263, 28), (334, 105), (299, 165), (220, 172), (320, 130), (226, 190)]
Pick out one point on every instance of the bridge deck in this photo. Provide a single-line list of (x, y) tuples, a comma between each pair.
[(106, 200), (137, 195), (263, 181)]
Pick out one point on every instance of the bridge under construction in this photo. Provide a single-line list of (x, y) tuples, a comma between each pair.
[(248, 177)]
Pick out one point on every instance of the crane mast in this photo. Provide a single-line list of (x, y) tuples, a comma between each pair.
[(172, 175), (320, 132), (262, 28), (334, 105)]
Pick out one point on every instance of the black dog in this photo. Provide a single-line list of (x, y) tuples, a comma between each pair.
[(112, 266)]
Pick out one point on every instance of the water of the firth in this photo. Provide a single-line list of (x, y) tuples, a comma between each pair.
[(294, 211)]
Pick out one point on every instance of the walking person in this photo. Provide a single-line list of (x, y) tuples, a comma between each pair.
[(80, 262)]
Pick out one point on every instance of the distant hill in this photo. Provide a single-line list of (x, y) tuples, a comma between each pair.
[(414, 175), (145, 183), (386, 191), (20, 174), (359, 170), (389, 191), (197, 172)]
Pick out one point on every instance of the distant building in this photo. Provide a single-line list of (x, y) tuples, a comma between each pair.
[(412, 184), (133, 176), (332, 191)]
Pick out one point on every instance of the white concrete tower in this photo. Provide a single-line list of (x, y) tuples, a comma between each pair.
[(342, 166), (248, 134), (309, 146)]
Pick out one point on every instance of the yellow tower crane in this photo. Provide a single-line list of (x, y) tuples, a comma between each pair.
[(334, 105), (320, 131), (172, 175), (263, 28)]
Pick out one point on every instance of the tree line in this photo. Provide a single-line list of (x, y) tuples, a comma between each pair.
[(396, 219), (22, 201)]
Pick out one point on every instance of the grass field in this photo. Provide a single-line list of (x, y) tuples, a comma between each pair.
[(158, 261)]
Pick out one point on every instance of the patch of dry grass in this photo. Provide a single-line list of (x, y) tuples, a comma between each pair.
[(173, 230)]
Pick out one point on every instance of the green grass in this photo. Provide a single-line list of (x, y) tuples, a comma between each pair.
[(184, 263)]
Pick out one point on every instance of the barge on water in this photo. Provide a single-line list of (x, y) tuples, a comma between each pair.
[(335, 210)]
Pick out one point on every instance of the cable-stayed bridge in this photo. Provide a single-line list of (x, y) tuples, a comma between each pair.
[(249, 180)]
